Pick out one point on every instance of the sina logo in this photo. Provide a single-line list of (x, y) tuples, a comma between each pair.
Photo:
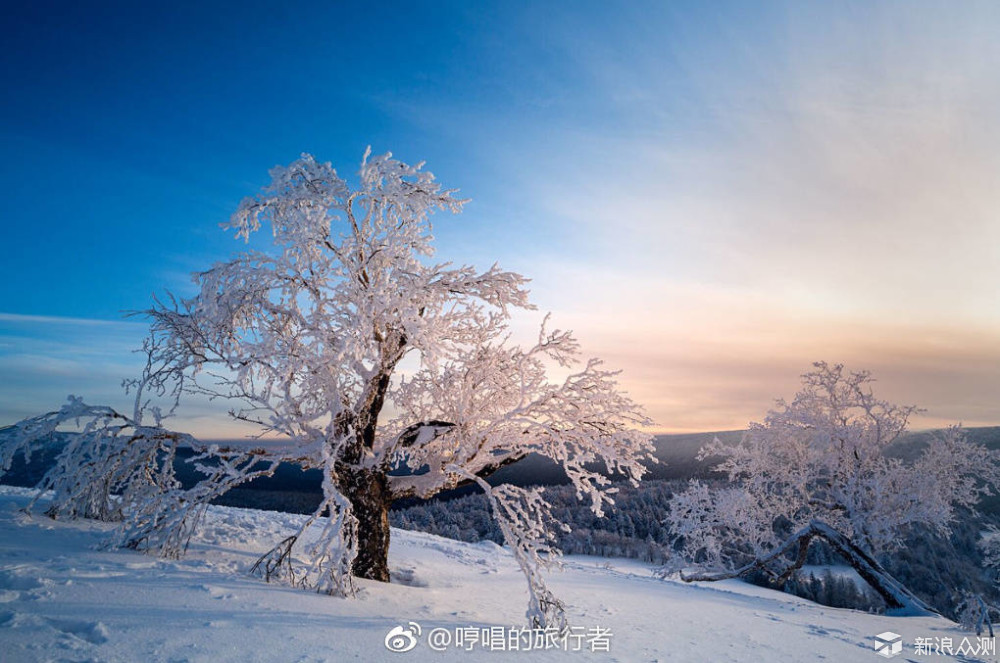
[(888, 644)]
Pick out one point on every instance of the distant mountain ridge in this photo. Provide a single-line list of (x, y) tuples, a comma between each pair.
[(296, 490)]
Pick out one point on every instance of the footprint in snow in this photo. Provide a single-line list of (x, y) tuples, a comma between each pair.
[(22, 585), (19, 580), (95, 633), (219, 592), (407, 576)]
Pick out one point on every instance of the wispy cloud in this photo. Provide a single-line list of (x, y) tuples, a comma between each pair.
[(21, 319), (815, 183), (45, 358)]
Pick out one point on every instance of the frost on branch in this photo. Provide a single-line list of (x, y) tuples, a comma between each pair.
[(117, 470), (305, 339), (112, 463), (820, 462), (523, 515), (330, 556), (501, 406), (975, 614), (165, 521)]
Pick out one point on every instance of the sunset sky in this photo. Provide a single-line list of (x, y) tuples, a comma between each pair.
[(711, 195)]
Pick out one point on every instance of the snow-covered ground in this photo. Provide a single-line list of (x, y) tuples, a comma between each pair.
[(62, 598)]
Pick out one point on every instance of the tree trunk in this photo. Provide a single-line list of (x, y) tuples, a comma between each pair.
[(368, 492), (898, 599)]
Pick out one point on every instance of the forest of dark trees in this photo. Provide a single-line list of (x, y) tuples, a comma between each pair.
[(939, 570)]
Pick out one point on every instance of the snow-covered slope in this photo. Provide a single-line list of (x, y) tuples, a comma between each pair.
[(62, 598)]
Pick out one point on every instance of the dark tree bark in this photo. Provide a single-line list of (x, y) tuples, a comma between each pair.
[(368, 492), (367, 489), (898, 599)]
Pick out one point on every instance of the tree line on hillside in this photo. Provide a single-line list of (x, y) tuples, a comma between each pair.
[(940, 570)]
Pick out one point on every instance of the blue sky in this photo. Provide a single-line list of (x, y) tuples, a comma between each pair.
[(712, 195)]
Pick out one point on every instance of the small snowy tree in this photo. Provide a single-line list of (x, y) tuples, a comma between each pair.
[(989, 548), (975, 614), (817, 468), (306, 341)]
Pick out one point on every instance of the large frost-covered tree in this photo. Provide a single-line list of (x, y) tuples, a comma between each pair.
[(817, 468), (306, 339)]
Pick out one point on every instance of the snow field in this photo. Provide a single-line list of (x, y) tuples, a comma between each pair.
[(64, 598)]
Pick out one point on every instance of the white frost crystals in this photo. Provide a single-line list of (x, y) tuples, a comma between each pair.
[(305, 339), (821, 467)]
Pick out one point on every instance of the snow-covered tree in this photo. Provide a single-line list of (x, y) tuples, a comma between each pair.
[(306, 340), (975, 614), (989, 548), (817, 468)]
